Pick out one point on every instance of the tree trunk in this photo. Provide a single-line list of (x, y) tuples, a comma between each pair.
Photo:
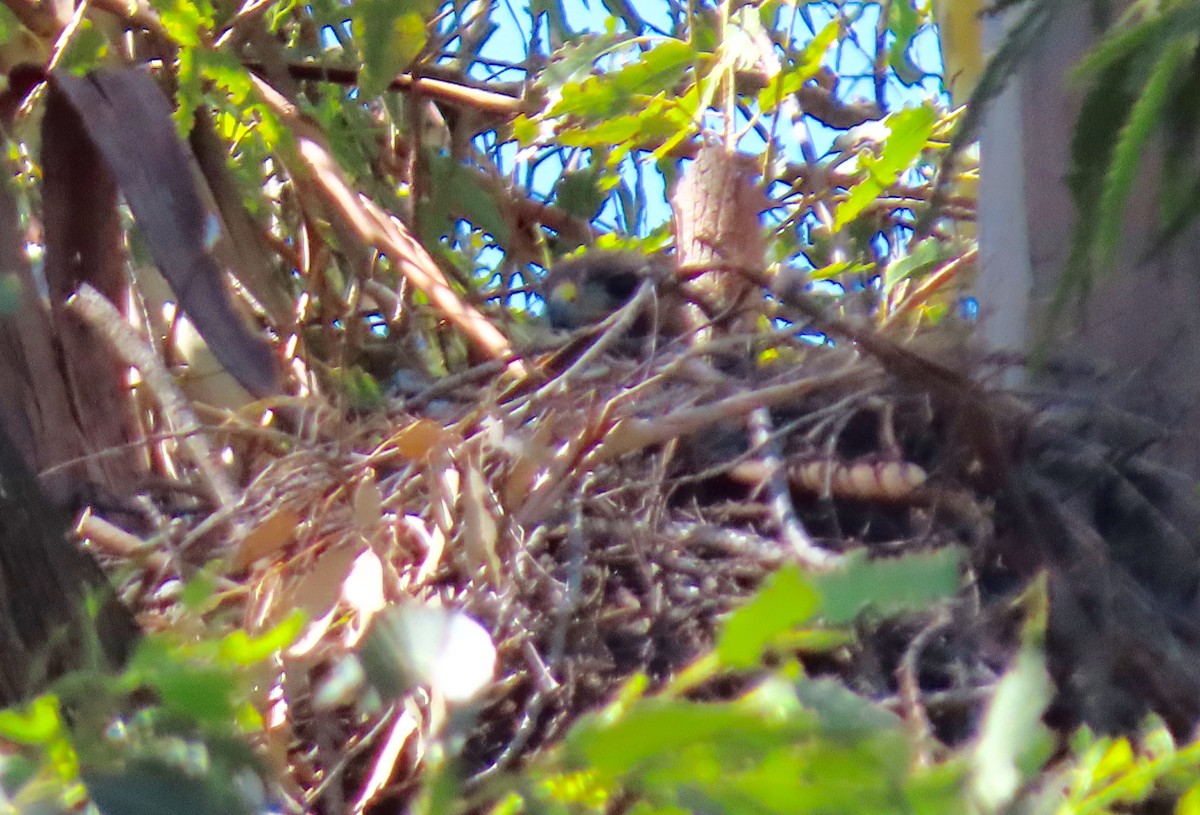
[(1136, 345)]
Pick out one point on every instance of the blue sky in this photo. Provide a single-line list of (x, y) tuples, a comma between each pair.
[(852, 59)]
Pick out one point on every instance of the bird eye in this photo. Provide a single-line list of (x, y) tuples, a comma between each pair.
[(621, 286), (565, 293)]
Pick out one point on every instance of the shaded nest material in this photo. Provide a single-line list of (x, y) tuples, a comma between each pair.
[(599, 520)]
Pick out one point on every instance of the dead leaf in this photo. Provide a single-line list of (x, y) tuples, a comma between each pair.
[(417, 440), (128, 119), (317, 594), (368, 505), (362, 591), (479, 529), (434, 543), (267, 538)]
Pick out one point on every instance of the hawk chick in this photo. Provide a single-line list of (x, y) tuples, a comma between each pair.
[(584, 290)]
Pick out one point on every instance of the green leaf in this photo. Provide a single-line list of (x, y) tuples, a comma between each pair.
[(37, 722), (578, 194), (457, 192), (185, 20), (229, 74), (197, 693), (198, 591), (910, 131), (904, 21), (189, 92), (786, 600), (239, 648), (390, 34), (86, 49), (1145, 116), (888, 586), (556, 16), (525, 130), (655, 72), (921, 257), (658, 119), (845, 713), (1105, 109), (1013, 743), (1151, 35), (1116, 760), (153, 787), (659, 730), (575, 61), (1189, 804), (838, 269), (806, 66)]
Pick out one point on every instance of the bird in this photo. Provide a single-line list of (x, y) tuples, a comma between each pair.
[(584, 290)]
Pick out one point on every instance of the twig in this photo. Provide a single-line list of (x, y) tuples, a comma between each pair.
[(486, 101), (104, 318), (115, 541), (64, 36), (633, 434), (909, 686), (384, 766), (314, 166), (790, 527), (936, 280)]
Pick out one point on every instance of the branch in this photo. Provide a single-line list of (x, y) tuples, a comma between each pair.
[(501, 105), (363, 219)]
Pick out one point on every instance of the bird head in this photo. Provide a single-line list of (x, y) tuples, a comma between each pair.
[(584, 290)]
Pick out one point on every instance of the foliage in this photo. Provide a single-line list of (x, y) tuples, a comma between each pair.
[(790, 744), (171, 732), (410, 169), (1139, 100)]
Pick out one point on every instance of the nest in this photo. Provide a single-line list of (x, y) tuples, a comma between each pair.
[(599, 516)]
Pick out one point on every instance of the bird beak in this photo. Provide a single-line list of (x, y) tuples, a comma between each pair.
[(564, 293)]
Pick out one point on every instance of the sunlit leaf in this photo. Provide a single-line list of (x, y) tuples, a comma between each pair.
[(35, 723), (576, 61), (806, 66), (922, 256), (618, 92), (909, 132), (185, 20), (390, 34), (1189, 804), (786, 599), (240, 648), (1013, 743)]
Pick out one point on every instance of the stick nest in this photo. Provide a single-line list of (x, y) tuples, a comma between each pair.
[(599, 516)]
